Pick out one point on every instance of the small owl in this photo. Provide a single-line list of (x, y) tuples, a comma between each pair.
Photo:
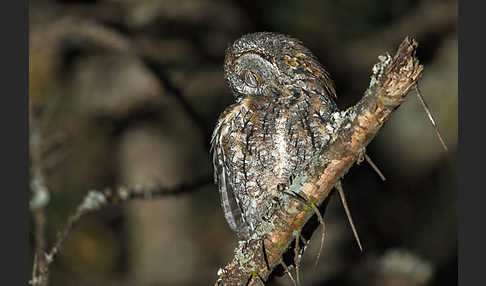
[(283, 100)]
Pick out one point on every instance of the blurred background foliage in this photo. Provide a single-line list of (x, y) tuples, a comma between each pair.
[(126, 92)]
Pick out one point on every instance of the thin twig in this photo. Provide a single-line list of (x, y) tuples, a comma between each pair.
[(431, 118), (297, 258), (373, 165), (288, 272), (323, 234), (39, 199), (96, 200), (339, 187)]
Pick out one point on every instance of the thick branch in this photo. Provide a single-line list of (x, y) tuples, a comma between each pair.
[(352, 130)]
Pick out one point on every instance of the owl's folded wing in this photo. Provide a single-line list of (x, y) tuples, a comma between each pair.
[(222, 177)]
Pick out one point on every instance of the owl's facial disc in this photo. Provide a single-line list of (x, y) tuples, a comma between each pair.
[(250, 74)]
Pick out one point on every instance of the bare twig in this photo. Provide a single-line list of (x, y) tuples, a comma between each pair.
[(297, 258), (96, 200), (323, 235), (287, 270), (431, 118), (339, 187), (39, 199), (353, 129), (373, 165), (94, 34)]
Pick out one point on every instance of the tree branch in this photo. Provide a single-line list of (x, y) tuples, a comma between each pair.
[(96, 200), (351, 131)]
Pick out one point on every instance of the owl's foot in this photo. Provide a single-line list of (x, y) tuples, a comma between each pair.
[(309, 202)]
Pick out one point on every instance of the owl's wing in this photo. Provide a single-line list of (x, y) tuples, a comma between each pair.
[(222, 178)]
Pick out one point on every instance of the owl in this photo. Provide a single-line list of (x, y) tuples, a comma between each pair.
[(283, 100)]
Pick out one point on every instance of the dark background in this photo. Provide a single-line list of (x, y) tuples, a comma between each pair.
[(127, 93)]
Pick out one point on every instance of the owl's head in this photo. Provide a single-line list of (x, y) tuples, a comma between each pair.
[(249, 67), (268, 64)]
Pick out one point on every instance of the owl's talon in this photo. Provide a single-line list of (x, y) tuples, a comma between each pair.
[(310, 203)]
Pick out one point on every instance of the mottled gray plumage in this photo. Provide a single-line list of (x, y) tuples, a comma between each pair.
[(284, 99)]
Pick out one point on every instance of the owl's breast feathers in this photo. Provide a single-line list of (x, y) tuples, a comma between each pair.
[(258, 144)]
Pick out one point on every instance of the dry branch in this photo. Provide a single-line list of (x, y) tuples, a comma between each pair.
[(352, 130), (96, 200)]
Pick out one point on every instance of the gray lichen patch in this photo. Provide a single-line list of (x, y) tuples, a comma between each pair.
[(40, 195), (295, 233), (338, 118), (379, 68), (265, 227), (351, 114), (336, 123), (245, 254), (298, 182), (221, 271), (293, 209), (241, 256), (123, 193), (93, 201)]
